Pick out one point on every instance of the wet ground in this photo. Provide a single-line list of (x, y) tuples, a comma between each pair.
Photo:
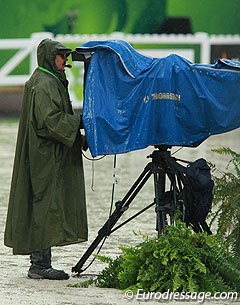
[(16, 288)]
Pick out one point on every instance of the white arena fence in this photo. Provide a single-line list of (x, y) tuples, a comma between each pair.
[(151, 44)]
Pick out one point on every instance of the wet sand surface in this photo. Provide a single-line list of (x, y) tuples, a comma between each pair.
[(16, 288)]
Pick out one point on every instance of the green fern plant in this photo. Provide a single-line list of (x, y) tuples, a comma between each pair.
[(226, 202), (180, 260)]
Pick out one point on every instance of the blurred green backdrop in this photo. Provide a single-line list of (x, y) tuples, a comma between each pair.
[(20, 18)]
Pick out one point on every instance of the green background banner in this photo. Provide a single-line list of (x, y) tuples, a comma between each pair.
[(21, 18)]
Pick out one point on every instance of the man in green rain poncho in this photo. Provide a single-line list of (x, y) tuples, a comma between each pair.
[(47, 199)]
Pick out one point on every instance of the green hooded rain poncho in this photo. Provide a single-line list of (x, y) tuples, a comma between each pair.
[(47, 198)]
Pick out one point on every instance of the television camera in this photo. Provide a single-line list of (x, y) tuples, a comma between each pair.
[(132, 101)]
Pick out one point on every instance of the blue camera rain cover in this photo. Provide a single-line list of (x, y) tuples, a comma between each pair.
[(132, 101)]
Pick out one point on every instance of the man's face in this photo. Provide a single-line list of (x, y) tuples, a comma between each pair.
[(60, 61)]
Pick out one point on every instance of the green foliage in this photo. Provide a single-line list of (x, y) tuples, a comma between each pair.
[(84, 284), (179, 260), (227, 203)]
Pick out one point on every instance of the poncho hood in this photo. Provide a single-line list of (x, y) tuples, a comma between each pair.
[(46, 53)]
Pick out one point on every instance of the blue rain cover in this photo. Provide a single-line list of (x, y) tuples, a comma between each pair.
[(132, 101)]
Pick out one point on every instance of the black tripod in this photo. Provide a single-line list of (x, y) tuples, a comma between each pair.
[(162, 166)]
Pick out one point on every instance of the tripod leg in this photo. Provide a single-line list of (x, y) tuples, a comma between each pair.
[(159, 188), (121, 207)]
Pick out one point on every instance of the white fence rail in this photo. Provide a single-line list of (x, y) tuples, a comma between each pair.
[(27, 47)]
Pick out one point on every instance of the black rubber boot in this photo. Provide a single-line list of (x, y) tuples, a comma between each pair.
[(41, 267), (41, 258), (50, 274)]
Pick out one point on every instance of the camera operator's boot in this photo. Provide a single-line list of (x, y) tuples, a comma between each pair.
[(41, 267)]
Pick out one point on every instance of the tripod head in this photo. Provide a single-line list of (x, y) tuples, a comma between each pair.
[(161, 154), (162, 147)]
